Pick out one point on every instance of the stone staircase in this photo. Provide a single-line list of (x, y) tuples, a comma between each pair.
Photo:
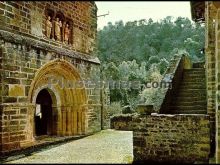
[(191, 95)]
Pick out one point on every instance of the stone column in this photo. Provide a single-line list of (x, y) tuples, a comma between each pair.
[(55, 123), (74, 121), (59, 122), (63, 121), (69, 121), (84, 119), (79, 121)]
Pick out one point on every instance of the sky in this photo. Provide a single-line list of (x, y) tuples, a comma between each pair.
[(130, 10)]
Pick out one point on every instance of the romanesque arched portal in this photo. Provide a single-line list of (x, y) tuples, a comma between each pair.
[(69, 101)]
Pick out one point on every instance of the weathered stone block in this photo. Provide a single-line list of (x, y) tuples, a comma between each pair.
[(9, 99), (10, 146), (16, 90), (11, 81), (23, 111)]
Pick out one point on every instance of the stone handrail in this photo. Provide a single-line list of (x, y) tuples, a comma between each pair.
[(173, 75)]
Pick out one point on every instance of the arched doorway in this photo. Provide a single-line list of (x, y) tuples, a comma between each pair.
[(43, 113), (69, 105)]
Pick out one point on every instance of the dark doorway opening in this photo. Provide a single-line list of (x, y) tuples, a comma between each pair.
[(43, 114)]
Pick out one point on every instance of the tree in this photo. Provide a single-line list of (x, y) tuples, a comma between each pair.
[(140, 50)]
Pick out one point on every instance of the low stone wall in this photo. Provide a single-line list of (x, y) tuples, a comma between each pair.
[(167, 138)]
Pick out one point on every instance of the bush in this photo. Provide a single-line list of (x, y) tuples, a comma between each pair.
[(152, 96), (127, 109), (115, 108)]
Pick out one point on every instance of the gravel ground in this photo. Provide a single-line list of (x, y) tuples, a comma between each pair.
[(107, 146)]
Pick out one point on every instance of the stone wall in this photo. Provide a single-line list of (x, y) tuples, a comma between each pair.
[(167, 138), (210, 70), (16, 128), (28, 18), (217, 77)]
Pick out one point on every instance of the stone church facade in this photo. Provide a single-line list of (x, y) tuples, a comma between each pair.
[(35, 61)]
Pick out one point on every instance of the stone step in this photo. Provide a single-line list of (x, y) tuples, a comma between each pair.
[(195, 70), (186, 108), (191, 90), (193, 83), (190, 94), (192, 80), (196, 84), (188, 99), (186, 78), (198, 65), (191, 87), (190, 103), (198, 70), (187, 75), (188, 112), (194, 73)]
